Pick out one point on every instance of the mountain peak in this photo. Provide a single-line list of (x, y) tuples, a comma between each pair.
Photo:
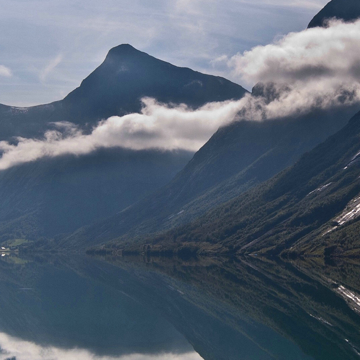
[(122, 49), (127, 75), (347, 10), (123, 52)]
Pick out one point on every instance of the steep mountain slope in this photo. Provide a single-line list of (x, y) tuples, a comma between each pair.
[(55, 196), (305, 209), (347, 10), (236, 158), (116, 88)]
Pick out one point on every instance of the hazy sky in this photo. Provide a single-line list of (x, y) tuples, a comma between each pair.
[(48, 46)]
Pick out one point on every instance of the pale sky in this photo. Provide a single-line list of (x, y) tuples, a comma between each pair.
[(48, 46)]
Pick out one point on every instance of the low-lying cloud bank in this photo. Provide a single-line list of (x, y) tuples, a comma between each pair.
[(314, 69), (157, 127)]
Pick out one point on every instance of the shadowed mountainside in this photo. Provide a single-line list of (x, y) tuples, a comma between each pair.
[(235, 159), (310, 208), (54, 196)]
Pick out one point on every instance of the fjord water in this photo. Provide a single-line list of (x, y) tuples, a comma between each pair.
[(158, 308)]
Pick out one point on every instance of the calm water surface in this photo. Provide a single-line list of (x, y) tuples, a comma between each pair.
[(135, 309)]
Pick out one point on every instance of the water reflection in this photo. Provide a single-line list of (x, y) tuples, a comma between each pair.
[(83, 308), (16, 349)]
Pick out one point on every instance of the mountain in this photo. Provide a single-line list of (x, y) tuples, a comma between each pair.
[(311, 208), (59, 195), (55, 196), (116, 88), (236, 158), (127, 75), (347, 10)]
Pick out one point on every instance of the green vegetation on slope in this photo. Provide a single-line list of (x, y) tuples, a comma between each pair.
[(290, 212), (236, 158)]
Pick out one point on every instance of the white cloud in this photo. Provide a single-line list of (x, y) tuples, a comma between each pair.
[(5, 71), (318, 53), (50, 67), (219, 60), (158, 126), (24, 350), (317, 68)]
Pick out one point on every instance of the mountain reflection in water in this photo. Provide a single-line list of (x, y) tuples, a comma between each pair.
[(158, 308)]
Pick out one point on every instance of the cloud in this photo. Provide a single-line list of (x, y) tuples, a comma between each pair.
[(157, 126), (5, 71), (11, 347), (313, 54), (50, 67), (313, 69)]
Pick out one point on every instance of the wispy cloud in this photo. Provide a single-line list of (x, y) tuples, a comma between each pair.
[(50, 67), (5, 71), (305, 4)]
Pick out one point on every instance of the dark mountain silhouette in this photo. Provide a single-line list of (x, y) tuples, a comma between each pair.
[(127, 75), (116, 87), (347, 10)]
